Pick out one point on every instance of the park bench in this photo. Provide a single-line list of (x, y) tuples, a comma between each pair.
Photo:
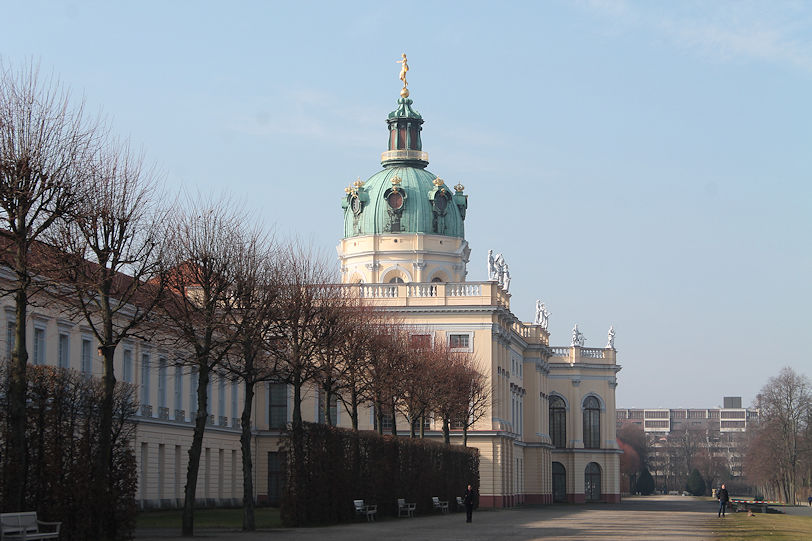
[(751, 505), (440, 505), (405, 509), (26, 526), (368, 511), (460, 502)]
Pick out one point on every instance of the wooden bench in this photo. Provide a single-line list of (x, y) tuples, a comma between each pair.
[(460, 503), (405, 509), (440, 505), (26, 526), (368, 511)]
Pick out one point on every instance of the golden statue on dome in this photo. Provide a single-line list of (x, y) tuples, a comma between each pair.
[(404, 67)]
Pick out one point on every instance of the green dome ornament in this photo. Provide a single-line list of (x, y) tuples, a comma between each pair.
[(404, 197)]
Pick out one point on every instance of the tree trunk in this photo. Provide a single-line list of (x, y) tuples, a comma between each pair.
[(394, 422), (297, 402), (104, 457), (16, 464), (248, 522), (354, 410), (328, 396), (188, 526), (465, 435), (446, 431)]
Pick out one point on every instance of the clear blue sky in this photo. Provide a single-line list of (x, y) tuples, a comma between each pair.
[(640, 164)]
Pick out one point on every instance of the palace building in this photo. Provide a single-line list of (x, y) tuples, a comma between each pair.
[(549, 434)]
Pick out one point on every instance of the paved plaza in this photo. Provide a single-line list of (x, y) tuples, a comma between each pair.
[(644, 518)]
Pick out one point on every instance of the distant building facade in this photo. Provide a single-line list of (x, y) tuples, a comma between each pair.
[(717, 432)]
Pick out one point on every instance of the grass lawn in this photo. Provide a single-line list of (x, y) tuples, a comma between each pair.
[(738, 526), (266, 517)]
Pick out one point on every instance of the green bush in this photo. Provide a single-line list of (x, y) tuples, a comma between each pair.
[(645, 485), (695, 484), (330, 467)]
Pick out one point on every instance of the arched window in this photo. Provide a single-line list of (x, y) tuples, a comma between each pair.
[(558, 422), (592, 423), (592, 482), (559, 483), (437, 280), (396, 280)]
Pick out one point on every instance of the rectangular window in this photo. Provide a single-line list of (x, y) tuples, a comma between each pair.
[(162, 382), (145, 379), (235, 389), (11, 333), (127, 366), (333, 408), (278, 405), (420, 340), (39, 345), (458, 341), (221, 395), (178, 387), (87, 356), (64, 350)]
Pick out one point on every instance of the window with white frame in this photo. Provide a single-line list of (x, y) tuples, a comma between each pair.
[(221, 395), (235, 391), (162, 377), (145, 379), (459, 341), (11, 333), (87, 356), (277, 405), (39, 345), (127, 366), (63, 360), (178, 387)]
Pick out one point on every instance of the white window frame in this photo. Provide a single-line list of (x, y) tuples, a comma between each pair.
[(127, 367), (63, 349), (87, 360), (469, 348), (39, 349)]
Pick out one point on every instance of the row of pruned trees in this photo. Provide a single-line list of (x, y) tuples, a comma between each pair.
[(84, 221)]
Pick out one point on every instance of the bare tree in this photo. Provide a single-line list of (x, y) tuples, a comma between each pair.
[(341, 314), (383, 372), (417, 391), (44, 145), (256, 292), (113, 242), (302, 321), (477, 393), (201, 263), (784, 404), (355, 350), (453, 380)]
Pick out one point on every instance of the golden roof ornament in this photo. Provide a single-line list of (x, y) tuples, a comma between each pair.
[(358, 183), (404, 67), (438, 181), (347, 189), (395, 180), (459, 187)]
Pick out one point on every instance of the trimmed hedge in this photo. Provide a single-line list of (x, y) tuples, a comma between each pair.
[(63, 411), (330, 467)]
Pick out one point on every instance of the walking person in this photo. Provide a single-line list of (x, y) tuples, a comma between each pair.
[(723, 499), (468, 500)]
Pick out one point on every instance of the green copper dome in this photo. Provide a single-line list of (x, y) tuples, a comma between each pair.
[(404, 197)]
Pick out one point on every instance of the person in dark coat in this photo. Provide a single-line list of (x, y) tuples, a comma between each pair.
[(723, 499), (468, 500)]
